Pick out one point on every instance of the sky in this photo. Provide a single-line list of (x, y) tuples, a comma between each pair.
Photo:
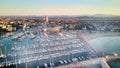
[(59, 7)]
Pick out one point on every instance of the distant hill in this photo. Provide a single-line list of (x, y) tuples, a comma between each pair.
[(104, 15)]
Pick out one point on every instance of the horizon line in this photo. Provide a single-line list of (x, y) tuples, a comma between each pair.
[(66, 15)]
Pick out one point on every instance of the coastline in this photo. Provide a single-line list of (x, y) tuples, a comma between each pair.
[(96, 35), (111, 61)]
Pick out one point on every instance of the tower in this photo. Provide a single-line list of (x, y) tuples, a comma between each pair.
[(24, 25), (46, 19)]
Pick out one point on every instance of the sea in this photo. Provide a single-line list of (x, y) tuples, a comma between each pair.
[(107, 44)]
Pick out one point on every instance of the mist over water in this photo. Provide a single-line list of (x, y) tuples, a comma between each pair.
[(109, 45), (106, 44)]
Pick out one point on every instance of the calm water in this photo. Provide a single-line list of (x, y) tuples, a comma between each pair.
[(108, 44)]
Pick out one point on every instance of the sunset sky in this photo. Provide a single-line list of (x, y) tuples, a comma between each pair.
[(59, 7)]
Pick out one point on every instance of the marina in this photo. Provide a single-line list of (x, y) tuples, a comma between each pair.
[(52, 50)]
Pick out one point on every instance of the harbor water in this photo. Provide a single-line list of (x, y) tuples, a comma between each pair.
[(108, 45)]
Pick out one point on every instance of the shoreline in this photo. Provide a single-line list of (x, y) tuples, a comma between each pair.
[(93, 36), (99, 35)]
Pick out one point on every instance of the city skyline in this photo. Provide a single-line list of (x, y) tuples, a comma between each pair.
[(59, 7)]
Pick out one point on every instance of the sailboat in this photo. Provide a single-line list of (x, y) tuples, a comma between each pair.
[(1, 54)]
